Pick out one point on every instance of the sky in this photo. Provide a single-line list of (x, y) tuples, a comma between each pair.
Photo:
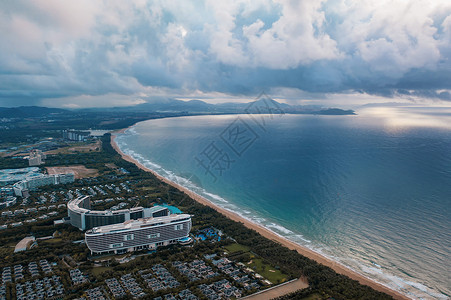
[(89, 53)]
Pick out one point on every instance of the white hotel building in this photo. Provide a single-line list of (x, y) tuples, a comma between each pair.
[(128, 229), (132, 235)]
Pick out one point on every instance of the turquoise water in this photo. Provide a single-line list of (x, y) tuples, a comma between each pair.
[(371, 191)]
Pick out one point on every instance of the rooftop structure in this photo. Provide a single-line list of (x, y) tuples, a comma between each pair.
[(11, 176), (138, 224), (24, 243), (82, 216)]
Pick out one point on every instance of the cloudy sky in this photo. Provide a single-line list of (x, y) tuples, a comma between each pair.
[(104, 53)]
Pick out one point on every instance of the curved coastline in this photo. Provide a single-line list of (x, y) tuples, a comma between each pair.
[(336, 266)]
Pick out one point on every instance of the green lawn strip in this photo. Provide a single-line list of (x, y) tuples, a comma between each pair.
[(232, 248), (51, 241)]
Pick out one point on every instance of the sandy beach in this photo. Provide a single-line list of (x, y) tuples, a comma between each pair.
[(265, 232)]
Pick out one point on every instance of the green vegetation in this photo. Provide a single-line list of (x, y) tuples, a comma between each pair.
[(12, 163), (233, 248), (314, 296)]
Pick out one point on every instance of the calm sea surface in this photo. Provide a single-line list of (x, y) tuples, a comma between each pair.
[(372, 191)]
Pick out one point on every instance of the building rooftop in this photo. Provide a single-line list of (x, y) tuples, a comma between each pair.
[(73, 205), (9, 176), (140, 223), (23, 244)]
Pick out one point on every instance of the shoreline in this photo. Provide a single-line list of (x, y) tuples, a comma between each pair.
[(337, 267)]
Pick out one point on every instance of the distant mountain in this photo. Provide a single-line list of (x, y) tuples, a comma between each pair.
[(264, 105), (28, 111)]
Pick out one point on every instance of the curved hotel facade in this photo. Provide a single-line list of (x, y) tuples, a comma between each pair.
[(139, 234), (81, 215)]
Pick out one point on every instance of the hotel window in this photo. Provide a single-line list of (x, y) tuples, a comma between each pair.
[(117, 245), (153, 235), (129, 237), (178, 227)]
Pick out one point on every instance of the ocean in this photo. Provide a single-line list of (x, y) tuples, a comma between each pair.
[(370, 191)]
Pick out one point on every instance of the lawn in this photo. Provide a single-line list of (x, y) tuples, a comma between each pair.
[(267, 271), (236, 248)]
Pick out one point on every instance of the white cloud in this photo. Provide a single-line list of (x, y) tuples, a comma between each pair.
[(398, 36), (52, 48), (296, 38)]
